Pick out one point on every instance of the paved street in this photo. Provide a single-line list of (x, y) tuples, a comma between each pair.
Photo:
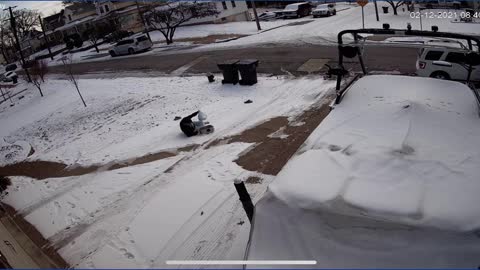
[(276, 60)]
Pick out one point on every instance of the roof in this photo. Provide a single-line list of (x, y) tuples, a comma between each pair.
[(79, 7), (77, 22), (389, 179), (297, 4), (55, 17)]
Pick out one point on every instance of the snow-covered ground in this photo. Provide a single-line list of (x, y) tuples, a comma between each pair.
[(325, 30), (139, 216)]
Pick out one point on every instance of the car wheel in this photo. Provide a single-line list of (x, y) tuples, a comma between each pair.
[(131, 51), (334, 12), (112, 53), (440, 75), (329, 14)]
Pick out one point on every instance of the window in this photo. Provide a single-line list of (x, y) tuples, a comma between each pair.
[(233, 4), (69, 17), (456, 57), (123, 42), (106, 8), (101, 10), (224, 4), (433, 55), (142, 38)]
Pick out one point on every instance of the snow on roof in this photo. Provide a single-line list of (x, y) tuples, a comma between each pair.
[(397, 148), (77, 22), (297, 4)]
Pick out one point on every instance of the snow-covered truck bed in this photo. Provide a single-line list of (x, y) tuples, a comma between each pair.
[(389, 179)]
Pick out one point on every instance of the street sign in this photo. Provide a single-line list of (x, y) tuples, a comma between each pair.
[(362, 3)]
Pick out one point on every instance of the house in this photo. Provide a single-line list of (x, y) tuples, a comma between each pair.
[(230, 11), (51, 23), (31, 42), (124, 14)]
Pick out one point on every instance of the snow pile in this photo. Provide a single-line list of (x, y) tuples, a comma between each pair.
[(13, 152), (407, 153), (389, 179)]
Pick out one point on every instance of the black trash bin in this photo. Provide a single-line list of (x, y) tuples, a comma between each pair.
[(248, 71), (385, 10), (15, 79), (230, 71)]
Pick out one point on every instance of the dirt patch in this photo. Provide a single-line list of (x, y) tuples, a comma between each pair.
[(34, 235), (270, 154), (39, 169), (254, 180), (255, 134)]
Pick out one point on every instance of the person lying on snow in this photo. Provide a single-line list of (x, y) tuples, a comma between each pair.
[(191, 128)]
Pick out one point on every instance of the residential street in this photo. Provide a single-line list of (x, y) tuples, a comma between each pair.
[(277, 60)]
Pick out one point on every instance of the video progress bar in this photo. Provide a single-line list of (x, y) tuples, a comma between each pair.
[(273, 262)]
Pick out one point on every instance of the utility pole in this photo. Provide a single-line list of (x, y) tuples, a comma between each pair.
[(14, 30), (256, 15), (45, 37), (143, 21), (363, 19), (376, 10)]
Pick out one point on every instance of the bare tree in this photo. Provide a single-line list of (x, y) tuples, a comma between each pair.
[(94, 37), (38, 70), (67, 64), (26, 21), (168, 16), (395, 5)]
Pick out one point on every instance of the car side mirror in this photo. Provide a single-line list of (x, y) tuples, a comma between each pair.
[(442, 63)]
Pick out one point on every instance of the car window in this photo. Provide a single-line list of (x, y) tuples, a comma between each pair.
[(456, 57), (123, 42), (142, 38), (294, 7), (433, 55)]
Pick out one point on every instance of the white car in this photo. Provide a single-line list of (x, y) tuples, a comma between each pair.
[(131, 46), (389, 179), (9, 76), (324, 10), (445, 63)]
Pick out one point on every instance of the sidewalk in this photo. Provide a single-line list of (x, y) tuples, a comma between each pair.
[(21, 250)]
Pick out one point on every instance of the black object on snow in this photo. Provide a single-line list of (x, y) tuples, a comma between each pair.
[(187, 125), (177, 118), (248, 71), (230, 71), (248, 101), (385, 10), (245, 199), (211, 77)]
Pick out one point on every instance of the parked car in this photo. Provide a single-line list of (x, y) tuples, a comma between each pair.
[(324, 10), (445, 63), (267, 16), (11, 67), (9, 76), (131, 46), (389, 179), (296, 10)]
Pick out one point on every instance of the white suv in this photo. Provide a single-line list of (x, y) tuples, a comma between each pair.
[(324, 10), (131, 46), (445, 63)]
